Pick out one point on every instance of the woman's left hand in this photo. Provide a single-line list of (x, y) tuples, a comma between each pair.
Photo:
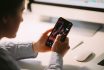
[(40, 46)]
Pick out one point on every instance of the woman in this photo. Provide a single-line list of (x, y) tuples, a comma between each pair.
[(10, 17)]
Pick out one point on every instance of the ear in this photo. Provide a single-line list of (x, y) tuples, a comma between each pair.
[(5, 19)]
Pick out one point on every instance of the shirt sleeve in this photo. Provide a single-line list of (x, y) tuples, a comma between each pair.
[(19, 50), (56, 62)]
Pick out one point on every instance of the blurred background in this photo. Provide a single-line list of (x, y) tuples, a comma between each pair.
[(87, 33)]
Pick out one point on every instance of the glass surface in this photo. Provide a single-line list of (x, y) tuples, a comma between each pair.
[(83, 3)]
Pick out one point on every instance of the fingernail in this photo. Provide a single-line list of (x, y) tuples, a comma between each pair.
[(59, 34)]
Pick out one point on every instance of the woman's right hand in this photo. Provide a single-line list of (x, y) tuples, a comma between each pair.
[(60, 47)]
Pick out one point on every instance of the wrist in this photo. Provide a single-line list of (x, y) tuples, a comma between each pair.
[(34, 47)]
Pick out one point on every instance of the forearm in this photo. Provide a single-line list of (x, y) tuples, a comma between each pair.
[(19, 50), (56, 62)]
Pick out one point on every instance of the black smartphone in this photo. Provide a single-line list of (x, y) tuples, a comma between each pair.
[(62, 27)]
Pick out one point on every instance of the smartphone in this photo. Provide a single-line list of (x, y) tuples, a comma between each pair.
[(62, 27)]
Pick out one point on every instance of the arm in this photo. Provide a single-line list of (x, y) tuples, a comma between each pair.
[(19, 50), (26, 50), (59, 49)]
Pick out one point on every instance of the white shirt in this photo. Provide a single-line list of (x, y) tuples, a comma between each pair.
[(16, 51)]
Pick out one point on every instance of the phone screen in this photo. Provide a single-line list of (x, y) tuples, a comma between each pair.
[(61, 27)]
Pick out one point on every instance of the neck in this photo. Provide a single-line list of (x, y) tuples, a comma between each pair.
[(1, 32), (1, 36)]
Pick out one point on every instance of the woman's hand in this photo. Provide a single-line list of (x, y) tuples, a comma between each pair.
[(40, 46), (60, 47)]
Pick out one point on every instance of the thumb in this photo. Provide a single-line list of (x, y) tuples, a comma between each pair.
[(46, 33), (58, 38)]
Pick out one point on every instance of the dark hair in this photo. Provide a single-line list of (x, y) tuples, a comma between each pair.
[(9, 7)]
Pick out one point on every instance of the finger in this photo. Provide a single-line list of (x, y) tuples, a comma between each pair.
[(46, 33), (67, 42), (67, 39), (58, 38)]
